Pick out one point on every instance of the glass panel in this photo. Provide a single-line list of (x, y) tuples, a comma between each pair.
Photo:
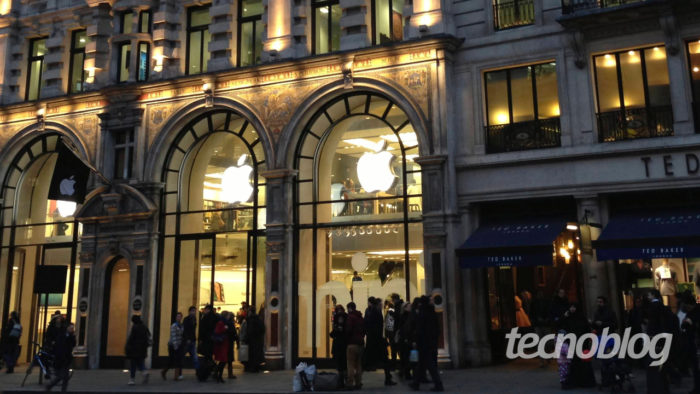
[(231, 271), (76, 77), (145, 22), (200, 17), (205, 50), (166, 294), (195, 276), (252, 8), (21, 294), (259, 27), (124, 61), (35, 69), (195, 41), (657, 76), (260, 264), (694, 53), (143, 62), (127, 22), (57, 302), (547, 92), (632, 81), (39, 47), (397, 20), (336, 13), (497, 97), (247, 44), (606, 83), (304, 308), (521, 91), (118, 323), (321, 34), (382, 21), (216, 221), (80, 39)]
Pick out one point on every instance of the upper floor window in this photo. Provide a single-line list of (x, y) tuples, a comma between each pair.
[(387, 20), (522, 108), (124, 61), (250, 32), (326, 26), (694, 62), (144, 57), (513, 13), (145, 21), (633, 94), (127, 22), (123, 153), (35, 67), (77, 73), (198, 38)]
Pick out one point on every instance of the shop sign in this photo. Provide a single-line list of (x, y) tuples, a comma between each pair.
[(504, 260), (672, 165), (664, 252)]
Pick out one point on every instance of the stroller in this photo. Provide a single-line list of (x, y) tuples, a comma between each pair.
[(616, 375)]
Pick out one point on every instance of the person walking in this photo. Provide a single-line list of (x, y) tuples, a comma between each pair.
[(405, 341), (136, 349), (64, 342), (10, 342), (426, 341), (355, 339), (207, 324), (339, 347), (189, 336), (221, 344), (176, 347), (232, 335), (376, 349), (255, 338)]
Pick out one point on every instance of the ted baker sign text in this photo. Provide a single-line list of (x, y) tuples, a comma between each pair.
[(672, 165)]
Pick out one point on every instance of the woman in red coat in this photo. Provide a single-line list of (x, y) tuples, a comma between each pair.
[(221, 345)]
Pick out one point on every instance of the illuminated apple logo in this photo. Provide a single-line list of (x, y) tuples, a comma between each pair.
[(374, 170), (67, 186), (236, 182)]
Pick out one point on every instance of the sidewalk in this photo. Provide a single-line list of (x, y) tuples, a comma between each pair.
[(515, 377)]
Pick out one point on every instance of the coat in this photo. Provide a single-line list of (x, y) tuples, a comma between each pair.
[(138, 342), (355, 329), (221, 343), (255, 337)]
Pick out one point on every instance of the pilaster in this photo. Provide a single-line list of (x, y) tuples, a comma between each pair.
[(222, 30), (354, 24)]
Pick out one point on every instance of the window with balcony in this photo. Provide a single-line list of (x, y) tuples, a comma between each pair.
[(198, 39), (513, 13), (35, 67), (145, 21), (250, 30), (522, 108), (124, 61), (77, 72), (634, 99), (326, 26), (143, 61), (387, 21), (694, 62)]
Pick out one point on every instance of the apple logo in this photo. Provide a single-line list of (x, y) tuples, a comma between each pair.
[(374, 169), (235, 183), (67, 186)]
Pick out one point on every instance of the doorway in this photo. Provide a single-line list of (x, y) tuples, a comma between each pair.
[(115, 322)]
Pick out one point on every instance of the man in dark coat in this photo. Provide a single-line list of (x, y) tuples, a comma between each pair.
[(690, 326), (10, 342), (207, 324), (339, 347), (136, 348), (255, 336), (64, 342), (560, 304), (426, 341), (659, 319), (604, 317), (189, 336), (375, 351), (355, 338)]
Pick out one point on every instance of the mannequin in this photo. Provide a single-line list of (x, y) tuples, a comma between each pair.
[(665, 281)]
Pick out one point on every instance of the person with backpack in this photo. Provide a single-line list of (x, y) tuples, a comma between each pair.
[(175, 348), (10, 342), (136, 349), (221, 344), (355, 339)]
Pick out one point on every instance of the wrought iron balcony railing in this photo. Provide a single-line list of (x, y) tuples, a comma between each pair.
[(572, 6), (513, 13), (536, 134), (635, 123)]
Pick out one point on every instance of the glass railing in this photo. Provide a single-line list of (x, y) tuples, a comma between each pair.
[(536, 134), (513, 13), (635, 123)]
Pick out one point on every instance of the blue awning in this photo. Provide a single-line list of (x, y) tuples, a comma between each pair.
[(647, 235), (522, 243)]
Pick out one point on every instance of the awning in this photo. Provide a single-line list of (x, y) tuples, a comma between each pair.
[(523, 243), (647, 235)]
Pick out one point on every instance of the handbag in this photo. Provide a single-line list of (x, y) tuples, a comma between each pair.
[(243, 352), (413, 356)]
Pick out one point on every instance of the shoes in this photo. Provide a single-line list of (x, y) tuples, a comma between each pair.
[(145, 377), (131, 382), (389, 382), (163, 374)]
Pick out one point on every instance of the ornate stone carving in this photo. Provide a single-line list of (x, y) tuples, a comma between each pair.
[(416, 80)]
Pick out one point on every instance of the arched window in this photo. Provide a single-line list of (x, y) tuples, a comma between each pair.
[(358, 212), (213, 249), (36, 231)]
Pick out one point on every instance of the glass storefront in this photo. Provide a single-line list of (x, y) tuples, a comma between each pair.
[(358, 213), (36, 231), (213, 251)]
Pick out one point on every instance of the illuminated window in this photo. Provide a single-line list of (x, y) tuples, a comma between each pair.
[(387, 19), (250, 32), (522, 108), (633, 94), (35, 67), (143, 61), (77, 62), (145, 21), (694, 63), (513, 13), (124, 61), (127, 22), (326, 22), (198, 39)]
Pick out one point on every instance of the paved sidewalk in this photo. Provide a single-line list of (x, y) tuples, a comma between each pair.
[(516, 377)]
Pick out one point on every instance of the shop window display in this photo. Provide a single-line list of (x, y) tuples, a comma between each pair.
[(359, 206)]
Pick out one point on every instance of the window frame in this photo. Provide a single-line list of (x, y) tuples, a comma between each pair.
[(149, 28), (120, 45), (241, 20), (75, 51), (190, 30), (129, 147), (138, 65), (31, 59), (373, 18), (122, 16), (314, 6)]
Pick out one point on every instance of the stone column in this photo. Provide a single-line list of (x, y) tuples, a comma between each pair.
[(279, 269), (97, 48), (279, 42), (223, 35), (53, 60), (354, 24), (167, 48), (677, 73)]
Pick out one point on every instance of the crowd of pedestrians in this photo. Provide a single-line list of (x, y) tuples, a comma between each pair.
[(392, 335)]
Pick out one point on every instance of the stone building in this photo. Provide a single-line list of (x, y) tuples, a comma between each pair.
[(296, 154)]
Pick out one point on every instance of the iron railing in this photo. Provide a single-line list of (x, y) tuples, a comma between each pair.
[(513, 13), (572, 6), (629, 124), (536, 134)]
